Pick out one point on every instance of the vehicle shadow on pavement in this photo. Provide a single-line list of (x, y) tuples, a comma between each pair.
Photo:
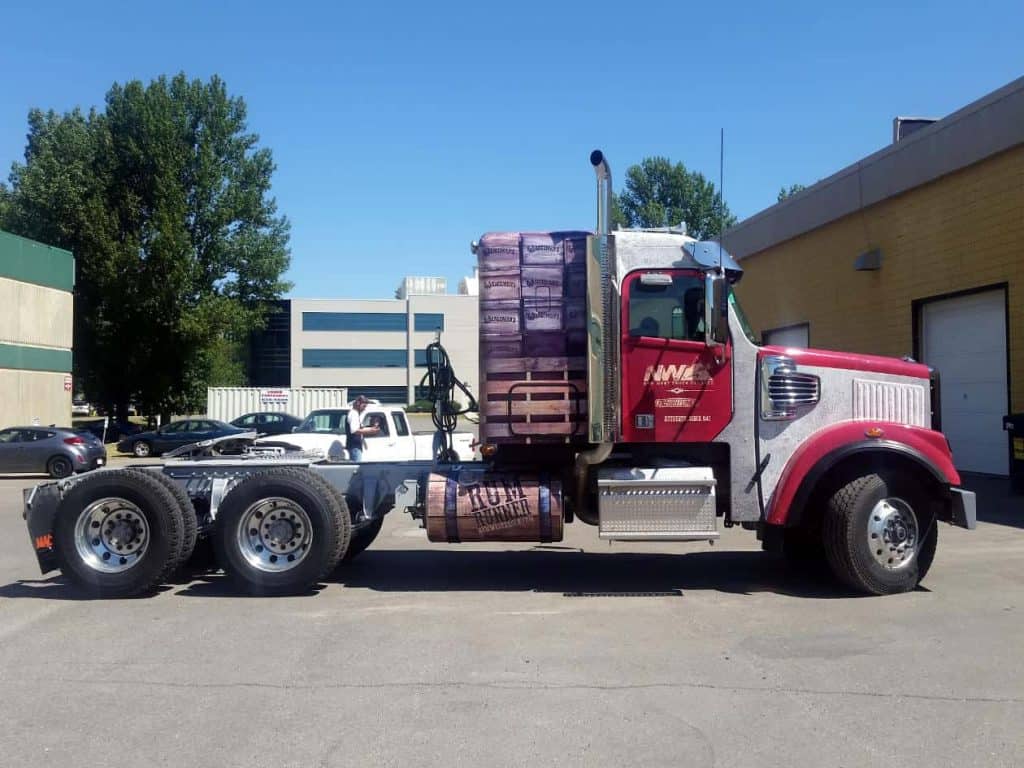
[(59, 588), (585, 573), (219, 585)]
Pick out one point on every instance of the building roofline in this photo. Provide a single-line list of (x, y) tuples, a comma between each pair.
[(983, 128)]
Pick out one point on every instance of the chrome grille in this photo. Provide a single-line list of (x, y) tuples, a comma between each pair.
[(784, 389)]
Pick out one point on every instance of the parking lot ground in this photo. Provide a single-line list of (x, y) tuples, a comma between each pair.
[(578, 653)]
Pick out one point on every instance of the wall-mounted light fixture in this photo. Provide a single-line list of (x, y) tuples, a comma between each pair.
[(869, 261)]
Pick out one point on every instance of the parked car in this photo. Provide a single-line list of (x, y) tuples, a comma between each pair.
[(174, 435), (116, 430), (57, 451), (323, 432), (267, 423), (80, 408)]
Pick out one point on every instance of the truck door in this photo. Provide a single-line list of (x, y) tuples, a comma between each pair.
[(674, 387)]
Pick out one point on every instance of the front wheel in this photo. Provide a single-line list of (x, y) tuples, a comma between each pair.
[(142, 449), (879, 536)]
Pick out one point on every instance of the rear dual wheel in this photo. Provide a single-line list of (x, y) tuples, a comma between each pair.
[(280, 532), (119, 533), (362, 538)]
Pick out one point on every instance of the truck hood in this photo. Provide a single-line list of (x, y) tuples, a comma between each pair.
[(850, 361)]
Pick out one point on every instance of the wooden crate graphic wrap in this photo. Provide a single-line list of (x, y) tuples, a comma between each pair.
[(533, 345)]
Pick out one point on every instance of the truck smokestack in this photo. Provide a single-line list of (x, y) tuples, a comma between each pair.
[(604, 190)]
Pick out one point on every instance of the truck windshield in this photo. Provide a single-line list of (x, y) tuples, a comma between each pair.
[(324, 421), (744, 323)]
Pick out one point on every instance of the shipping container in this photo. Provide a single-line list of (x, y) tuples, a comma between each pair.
[(227, 403)]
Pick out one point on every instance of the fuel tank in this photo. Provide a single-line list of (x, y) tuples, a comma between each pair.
[(476, 505)]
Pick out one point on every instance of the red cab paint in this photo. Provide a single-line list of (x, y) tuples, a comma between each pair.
[(930, 444), (674, 388), (851, 361)]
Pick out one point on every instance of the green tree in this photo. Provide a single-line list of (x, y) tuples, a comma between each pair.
[(164, 198), (785, 193), (661, 193)]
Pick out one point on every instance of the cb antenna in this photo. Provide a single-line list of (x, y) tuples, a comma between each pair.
[(721, 195)]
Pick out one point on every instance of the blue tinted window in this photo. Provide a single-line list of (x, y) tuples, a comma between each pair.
[(428, 321), (382, 394), (354, 358), (353, 321)]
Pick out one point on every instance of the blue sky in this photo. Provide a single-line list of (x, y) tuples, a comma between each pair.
[(402, 131)]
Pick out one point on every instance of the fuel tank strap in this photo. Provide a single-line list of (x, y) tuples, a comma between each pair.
[(544, 508), (451, 520)]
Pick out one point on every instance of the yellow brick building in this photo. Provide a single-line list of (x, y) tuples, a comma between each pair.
[(916, 250)]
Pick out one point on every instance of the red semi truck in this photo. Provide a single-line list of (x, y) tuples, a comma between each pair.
[(621, 388)]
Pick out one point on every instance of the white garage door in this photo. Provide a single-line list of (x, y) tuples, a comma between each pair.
[(965, 339), (792, 336)]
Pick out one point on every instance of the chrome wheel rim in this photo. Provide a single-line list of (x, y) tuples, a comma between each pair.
[(111, 535), (274, 534), (141, 449), (893, 533)]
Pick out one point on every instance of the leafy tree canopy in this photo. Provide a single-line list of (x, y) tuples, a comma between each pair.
[(792, 190), (164, 198), (660, 193)]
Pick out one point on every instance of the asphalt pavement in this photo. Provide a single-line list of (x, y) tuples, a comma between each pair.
[(580, 653)]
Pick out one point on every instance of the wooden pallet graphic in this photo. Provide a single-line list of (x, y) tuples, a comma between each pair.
[(535, 399)]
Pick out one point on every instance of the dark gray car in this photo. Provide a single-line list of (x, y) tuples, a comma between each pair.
[(58, 452), (175, 435)]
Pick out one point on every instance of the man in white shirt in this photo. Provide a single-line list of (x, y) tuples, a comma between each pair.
[(355, 432)]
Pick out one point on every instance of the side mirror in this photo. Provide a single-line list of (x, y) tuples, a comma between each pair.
[(716, 309)]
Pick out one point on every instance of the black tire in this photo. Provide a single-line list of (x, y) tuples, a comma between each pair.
[(328, 527), (847, 537), (362, 538), (60, 467), (189, 519), (158, 507), (142, 449)]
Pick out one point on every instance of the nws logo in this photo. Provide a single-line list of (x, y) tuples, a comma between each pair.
[(670, 374)]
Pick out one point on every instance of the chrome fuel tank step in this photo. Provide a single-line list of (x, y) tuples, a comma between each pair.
[(657, 504)]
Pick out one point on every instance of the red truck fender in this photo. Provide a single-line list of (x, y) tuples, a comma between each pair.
[(827, 447)]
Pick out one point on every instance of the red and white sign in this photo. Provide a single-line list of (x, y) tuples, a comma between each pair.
[(270, 397), (67, 383)]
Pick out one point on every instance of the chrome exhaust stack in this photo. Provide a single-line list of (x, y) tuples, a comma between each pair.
[(604, 191), (602, 356)]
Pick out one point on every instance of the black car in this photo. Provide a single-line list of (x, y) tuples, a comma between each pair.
[(174, 435), (115, 430), (267, 423)]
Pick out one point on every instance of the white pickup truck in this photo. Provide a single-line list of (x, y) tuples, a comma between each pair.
[(323, 433)]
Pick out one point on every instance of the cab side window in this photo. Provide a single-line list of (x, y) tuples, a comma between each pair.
[(401, 426), (670, 311), (378, 420)]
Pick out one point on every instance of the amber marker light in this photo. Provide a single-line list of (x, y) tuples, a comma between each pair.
[(874, 432)]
